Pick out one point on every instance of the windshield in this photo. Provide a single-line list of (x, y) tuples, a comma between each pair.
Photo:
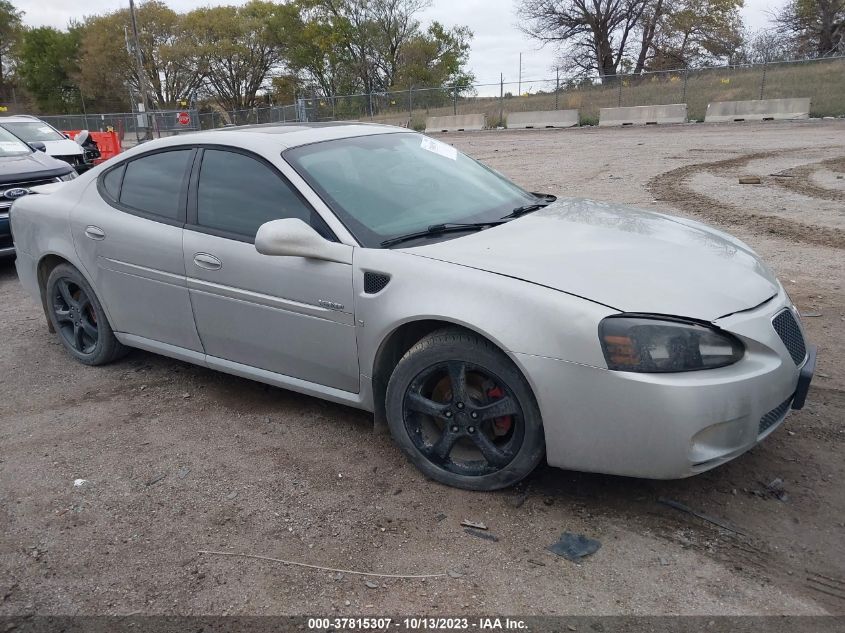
[(31, 131), (11, 145), (387, 185)]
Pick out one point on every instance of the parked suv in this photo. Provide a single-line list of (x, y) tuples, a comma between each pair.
[(31, 129), (21, 168)]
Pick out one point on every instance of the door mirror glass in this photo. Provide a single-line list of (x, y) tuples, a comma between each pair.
[(38, 146), (291, 237)]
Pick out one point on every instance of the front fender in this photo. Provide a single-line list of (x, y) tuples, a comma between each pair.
[(518, 316)]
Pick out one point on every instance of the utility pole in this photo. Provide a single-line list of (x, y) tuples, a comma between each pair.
[(501, 100), (519, 89), (142, 83), (557, 86)]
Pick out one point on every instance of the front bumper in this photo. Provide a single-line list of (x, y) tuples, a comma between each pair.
[(805, 377), (6, 246), (670, 426)]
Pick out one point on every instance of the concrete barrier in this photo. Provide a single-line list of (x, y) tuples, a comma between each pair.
[(757, 110), (643, 115), (542, 119), (397, 122), (456, 123)]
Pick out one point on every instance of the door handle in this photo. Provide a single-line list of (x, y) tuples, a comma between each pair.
[(95, 232), (209, 262)]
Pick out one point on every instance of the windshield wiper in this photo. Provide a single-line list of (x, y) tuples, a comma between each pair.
[(528, 208), (439, 229)]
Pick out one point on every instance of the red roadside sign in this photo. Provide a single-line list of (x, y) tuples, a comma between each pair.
[(184, 118)]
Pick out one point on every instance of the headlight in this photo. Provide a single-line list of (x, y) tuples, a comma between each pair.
[(69, 176), (661, 344)]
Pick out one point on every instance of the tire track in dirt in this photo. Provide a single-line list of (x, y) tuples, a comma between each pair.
[(673, 187), (799, 179)]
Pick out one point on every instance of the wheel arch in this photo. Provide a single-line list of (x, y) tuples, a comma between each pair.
[(403, 337), (46, 264)]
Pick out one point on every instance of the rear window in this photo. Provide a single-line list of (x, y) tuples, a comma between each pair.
[(154, 184)]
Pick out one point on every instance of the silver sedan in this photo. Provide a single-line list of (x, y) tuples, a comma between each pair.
[(490, 327)]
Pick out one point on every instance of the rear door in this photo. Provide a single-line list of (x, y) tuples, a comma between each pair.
[(128, 234), (288, 315)]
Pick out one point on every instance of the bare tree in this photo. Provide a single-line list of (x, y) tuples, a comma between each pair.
[(606, 37), (764, 46), (595, 34)]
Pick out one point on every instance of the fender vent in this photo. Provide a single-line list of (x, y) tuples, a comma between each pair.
[(375, 282)]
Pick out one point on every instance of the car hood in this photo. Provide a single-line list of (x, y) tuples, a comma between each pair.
[(33, 166), (628, 259), (63, 147)]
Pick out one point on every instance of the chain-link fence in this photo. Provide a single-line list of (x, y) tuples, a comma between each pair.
[(822, 80), (131, 127)]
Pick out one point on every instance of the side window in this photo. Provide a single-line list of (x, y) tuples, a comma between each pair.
[(153, 184), (111, 181), (237, 194)]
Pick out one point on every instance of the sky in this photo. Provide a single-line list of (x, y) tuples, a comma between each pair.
[(495, 47)]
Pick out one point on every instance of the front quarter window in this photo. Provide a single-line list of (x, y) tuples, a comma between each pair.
[(385, 185)]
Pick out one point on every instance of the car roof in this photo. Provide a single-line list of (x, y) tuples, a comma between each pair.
[(20, 118), (279, 135)]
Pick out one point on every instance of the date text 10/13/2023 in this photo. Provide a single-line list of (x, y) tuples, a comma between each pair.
[(416, 624)]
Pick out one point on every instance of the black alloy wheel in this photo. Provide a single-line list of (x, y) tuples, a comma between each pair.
[(464, 419), (75, 316), (78, 317), (463, 413)]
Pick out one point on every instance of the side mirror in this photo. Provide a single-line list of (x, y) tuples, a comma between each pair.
[(291, 237), (38, 146)]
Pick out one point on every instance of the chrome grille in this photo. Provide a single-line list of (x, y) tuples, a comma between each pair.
[(5, 203), (774, 416), (790, 333)]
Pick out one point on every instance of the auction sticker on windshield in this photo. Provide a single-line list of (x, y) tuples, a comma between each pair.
[(437, 147)]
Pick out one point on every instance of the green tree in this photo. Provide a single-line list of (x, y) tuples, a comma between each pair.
[(815, 27), (171, 69), (47, 67), (315, 48), (436, 57), (10, 34), (235, 50), (696, 32), (351, 46)]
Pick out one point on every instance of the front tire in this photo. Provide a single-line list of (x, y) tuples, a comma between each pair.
[(463, 413), (79, 319)]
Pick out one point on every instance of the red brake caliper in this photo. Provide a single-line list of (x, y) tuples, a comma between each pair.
[(502, 425)]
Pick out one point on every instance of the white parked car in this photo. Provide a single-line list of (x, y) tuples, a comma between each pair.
[(33, 130), (489, 326)]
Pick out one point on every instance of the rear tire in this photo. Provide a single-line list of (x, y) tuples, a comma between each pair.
[(463, 413), (79, 319)]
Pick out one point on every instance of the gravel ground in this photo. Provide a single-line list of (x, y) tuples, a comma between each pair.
[(179, 459)]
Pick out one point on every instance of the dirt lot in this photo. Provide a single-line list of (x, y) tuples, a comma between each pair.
[(179, 459)]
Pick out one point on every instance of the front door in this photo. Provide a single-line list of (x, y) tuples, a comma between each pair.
[(128, 233), (289, 315)]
